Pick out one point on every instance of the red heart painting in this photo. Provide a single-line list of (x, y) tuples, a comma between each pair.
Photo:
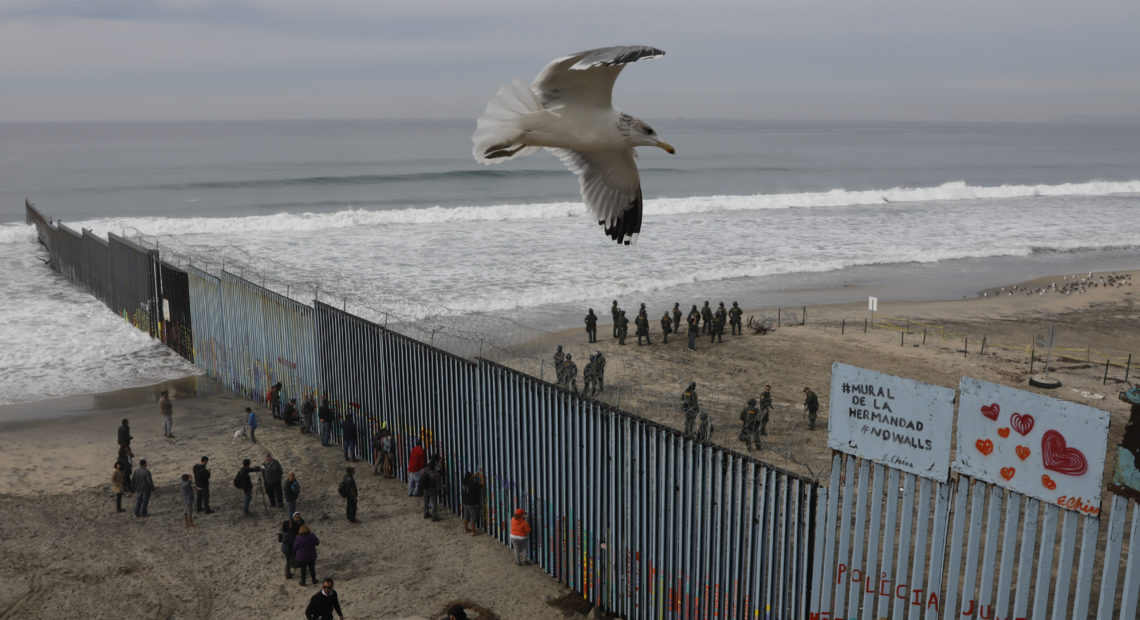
[(1008, 472), (1021, 422), (985, 446), (991, 411), (1004, 432), (1048, 483), (1059, 457), (1022, 452)]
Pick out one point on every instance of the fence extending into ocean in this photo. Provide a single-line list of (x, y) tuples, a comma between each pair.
[(640, 519)]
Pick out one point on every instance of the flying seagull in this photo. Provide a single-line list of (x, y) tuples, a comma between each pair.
[(567, 110)]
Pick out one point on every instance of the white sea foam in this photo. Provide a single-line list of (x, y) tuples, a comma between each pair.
[(349, 218)]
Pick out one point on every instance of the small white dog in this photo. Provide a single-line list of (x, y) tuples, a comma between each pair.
[(240, 433)]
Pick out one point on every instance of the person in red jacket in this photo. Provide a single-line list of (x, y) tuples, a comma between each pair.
[(520, 536), (417, 461)]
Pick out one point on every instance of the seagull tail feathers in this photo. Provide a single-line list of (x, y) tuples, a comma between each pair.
[(499, 130)]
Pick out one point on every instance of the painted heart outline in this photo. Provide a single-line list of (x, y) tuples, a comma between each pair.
[(991, 411), (1022, 423), (1059, 457)]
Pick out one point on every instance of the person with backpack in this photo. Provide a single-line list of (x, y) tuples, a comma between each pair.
[(347, 490), (243, 482), (292, 492)]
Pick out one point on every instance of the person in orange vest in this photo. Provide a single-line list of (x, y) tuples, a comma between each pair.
[(520, 536)]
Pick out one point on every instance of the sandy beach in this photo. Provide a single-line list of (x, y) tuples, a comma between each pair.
[(70, 555)]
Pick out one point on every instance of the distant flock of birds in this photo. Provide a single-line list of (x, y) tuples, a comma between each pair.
[(1070, 285)]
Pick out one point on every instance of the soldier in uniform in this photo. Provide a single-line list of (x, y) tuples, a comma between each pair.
[(642, 322), (559, 359), (706, 318), (570, 372), (677, 317), (623, 326), (616, 313), (811, 405), (600, 372), (694, 327), (706, 429), (765, 409), (749, 423), (734, 319), (592, 325), (589, 385), (666, 327), (690, 407), (717, 328)]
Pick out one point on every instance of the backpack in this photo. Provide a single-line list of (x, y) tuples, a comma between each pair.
[(237, 481), (342, 490)]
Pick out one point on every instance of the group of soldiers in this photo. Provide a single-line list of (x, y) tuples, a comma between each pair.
[(753, 418), (593, 375), (704, 321)]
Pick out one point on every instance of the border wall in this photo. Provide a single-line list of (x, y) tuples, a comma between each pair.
[(641, 520)]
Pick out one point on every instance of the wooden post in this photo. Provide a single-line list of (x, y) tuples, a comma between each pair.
[(924, 336), (1127, 367), (1032, 354), (983, 351), (843, 327), (908, 323), (804, 320), (1105, 380), (864, 325), (779, 315), (902, 339), (965, 346)]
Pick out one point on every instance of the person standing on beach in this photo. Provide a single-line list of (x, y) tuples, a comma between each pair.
[(750, 424), (385, 447), (287, 536), (245, 483), (431, 484), (570, 372), (642, 322), (251, 422), (734, 319), (271, 475), (202, 483), (274, 400), (125, 462), (676, 317), (690, 407), (417, 461), (706, 317), (323, 603), (666, 327), (520, 537), (811, 405), (623, 326), (118, 485), (348, 437), (600, 372), (188, 501), (144, 486), (167, 410), (347, 490), (694, 327), (292, 492), (305, 553), (706, 429), (615, 312), (472, 497), (592, 326), (325, 418), (308, 409), (589, 382), (717, 327), (125, 437)]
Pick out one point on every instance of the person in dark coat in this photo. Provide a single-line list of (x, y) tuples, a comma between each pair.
[(676, 317), (274, 398), (325, 417), (125, 437), (271, 474), (287, 537), (348, 437), (706, 318), (202, 484), (592, 325), (245, 483), (348, 491), (324, 603), (472, 496), (125, 460), (305, 552), (144, 486), (616, 313), (666, 328), (811, 405), (292, 492), (308, 411), (289, 415)]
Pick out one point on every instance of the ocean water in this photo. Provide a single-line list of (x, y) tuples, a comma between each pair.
[(396, 222)]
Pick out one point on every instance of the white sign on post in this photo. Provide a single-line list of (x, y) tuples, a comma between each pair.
[(1046, 448), (873, 304), (890, 420)]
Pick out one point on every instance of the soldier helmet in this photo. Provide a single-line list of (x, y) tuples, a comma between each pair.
[(722, 304), (704, 415), (751, 401), (676, 304), (693, 385), (642, 304), (706, 302), (591, 310), (615, 302), (734, 304), (569, 357), (807, 389)]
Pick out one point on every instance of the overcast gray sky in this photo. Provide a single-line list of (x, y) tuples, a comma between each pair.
[(797, 59)]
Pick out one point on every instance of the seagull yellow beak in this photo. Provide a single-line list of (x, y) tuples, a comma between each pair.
[(668, 148)]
